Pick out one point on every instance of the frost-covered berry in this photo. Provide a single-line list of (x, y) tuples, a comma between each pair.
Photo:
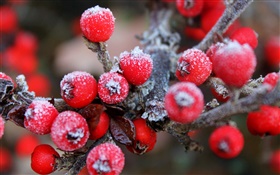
[(101, 128), (136, 66), (272, 51), (271, 79), (145, 137), (97, 24), (264, 122), (43, 159), (226, 142), (106, 159), (213, 49), (274, 161), (245, 35), (189, 8), (78, 89), (193, 66), (2, 126), (234, 63), (184, 102), (39, 116), (69, 131), (112, 88)]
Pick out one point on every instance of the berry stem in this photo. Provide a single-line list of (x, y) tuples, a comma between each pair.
[(232, 12)]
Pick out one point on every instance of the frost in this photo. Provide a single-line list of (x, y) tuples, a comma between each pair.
[(76, 136), (102, 166), (113, 86), (184, 99)]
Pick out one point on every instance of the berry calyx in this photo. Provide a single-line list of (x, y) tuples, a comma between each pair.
[(234, 63), (43, 159), (274, 161), (226, 142), (78, 89), (26, 144), (145, 137), (189, 8), (2, 126), (97, 24), (264, 122), (193, 66), (69, 131), (106, 158), (39, 116), (136, 66), (101, 128), (245, 35), (184, 102), (112, 88)]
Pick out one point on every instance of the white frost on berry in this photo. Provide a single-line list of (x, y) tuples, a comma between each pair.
[(184, 99), (76, 136), (113, 86), (101, 166)]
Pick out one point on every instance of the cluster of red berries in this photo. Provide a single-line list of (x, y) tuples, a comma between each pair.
[(20, 52)]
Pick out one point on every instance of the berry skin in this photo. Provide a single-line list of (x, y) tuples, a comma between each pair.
[(193, 66), (101, 128), (272, 51), (97, 24), (274, 161), (213, 49), (5, 160), (112, 87), (26, 42), (194, 33), (264, 122), (9, 20), (226, 142), (39, 117), (106, 159), (245, 35), (271, 79), (78, 89), (2, 126), (136, 66), (210, 17), (39, 83), (43, 159), (189, 8), (26, 144), (234, 63), (145, 137), (184, 102), (69, 131)]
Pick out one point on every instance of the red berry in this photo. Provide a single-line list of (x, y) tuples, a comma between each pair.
[(226, 142), (69, 131), (264, 122), (43, 159), (2, 126), (234, 63), (194, 33), (220, 97), (213, 49), (39, 83), (101, 128), (271, 79), (136, 66), (210, 17), (78, 89), (274, 161), (105, 159), (145, 137), (189, 8), (112, 88), (97, 24), (26, 144), (272, 51), (5, 160), (184, 102), (26, 42), (8, 19), (245, 35), (39, 116), (210, 4), (193, 66)]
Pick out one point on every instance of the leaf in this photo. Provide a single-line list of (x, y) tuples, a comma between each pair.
[(92, 114), (122, 130)]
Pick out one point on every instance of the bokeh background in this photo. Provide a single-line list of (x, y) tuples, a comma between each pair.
[(51, 30)]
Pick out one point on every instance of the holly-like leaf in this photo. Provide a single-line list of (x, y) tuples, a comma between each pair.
[(92, 114), (122, 130)]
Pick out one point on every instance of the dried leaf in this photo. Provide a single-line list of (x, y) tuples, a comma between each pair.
[(16, 115), (122, 130)]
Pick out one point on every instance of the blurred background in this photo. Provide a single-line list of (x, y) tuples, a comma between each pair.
[(43, 41)]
